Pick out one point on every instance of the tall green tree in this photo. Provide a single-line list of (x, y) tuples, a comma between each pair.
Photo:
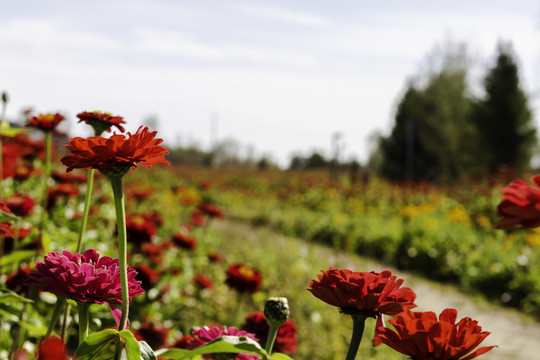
[(504, 118), (432, 134)]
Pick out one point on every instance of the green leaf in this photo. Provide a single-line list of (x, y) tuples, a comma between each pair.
[(10, 312), (146, 351), (4, 216), (172, 354), (98, 346), (226, 344), (11, 297), (16, 257), (33, 329), (45, 241), (133, 349), (280, 356)]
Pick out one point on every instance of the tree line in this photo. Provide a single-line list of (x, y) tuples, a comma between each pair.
[(442, 132)]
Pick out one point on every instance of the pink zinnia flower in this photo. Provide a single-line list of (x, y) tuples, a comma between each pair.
[(86, 278), (206, 334)]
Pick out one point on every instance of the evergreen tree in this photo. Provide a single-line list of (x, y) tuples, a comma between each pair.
[(504, 118)]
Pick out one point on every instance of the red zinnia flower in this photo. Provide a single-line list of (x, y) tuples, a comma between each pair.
[(20, 205), (155, 335), (214, 257), (211, 210), (116, 155), (286, 340), (367, 292), (45, 122), (52, 348), (203, 282), (154, 252), (184, 241), (15, 280), (183, 342), (86, 278), (520, 205), (147, 276), (139, 230), (61, 191), (206, 334), (243, 278), (65, 178), (423, 337), (101, 121)]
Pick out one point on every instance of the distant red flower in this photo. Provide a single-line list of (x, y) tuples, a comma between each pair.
[(15, 280), (66, 178), (61, 191), (520, 205), (142, 194), (86, 278), (183, 342), (205, 185), (423, 337), (20, 205), (153, 251), (116, 155), (139, 230), (45, 122), (7, 231), (197, 218), (286, 339), (243, 278), (206, 334), (184, 241), (22, 173), (147, 276), (12, 157), (155, 217), (52, 348), (101, 121), (367, 292), (203, 282), (155, 335), (211, 210), (215, 257)]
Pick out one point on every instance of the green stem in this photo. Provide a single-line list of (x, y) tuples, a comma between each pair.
[(82, 229), (60, 301), (118, 192), (272, 334), (64, 322), (356, 338), (84, 321), (236, 313), (48, 142), (2, 120)]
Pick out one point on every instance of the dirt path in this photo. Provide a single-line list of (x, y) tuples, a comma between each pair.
[(517, 336)]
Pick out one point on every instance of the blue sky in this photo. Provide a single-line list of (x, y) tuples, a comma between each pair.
[(280, 76)]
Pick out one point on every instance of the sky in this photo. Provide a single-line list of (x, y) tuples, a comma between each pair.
[(279, 77)]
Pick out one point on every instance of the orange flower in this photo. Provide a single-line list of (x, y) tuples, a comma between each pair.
[(520, 205), (423, 337), (116, 155), (45, 122), (369, 293), (101, 121)]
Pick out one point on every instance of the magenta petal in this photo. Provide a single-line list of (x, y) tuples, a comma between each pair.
[(117, 315)]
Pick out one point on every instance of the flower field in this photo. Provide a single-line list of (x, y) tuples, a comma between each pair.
[(127, 261)]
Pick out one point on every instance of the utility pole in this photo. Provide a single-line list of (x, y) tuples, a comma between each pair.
[(334, 163)]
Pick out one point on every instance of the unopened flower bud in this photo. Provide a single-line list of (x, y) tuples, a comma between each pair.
[(276, 311), (4, 97)]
